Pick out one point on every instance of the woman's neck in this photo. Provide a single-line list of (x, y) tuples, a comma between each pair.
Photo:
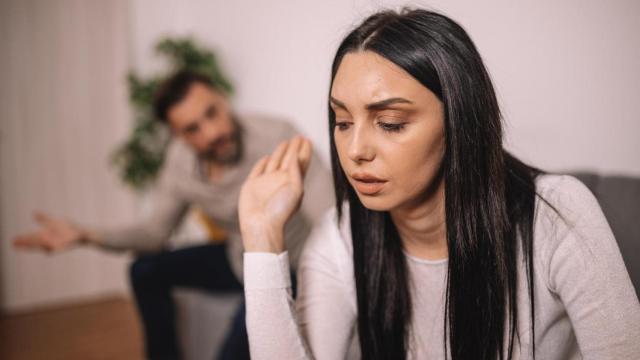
[(422, 226)]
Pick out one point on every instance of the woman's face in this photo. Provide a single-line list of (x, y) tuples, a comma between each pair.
[(389, 131)]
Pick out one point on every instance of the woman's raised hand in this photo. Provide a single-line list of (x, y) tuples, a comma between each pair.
[(271, 194)]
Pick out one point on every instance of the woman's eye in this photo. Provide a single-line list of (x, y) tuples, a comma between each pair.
[(342, 126), (391, 127)]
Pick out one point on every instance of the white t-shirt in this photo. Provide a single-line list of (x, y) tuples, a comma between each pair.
[(586, 306)]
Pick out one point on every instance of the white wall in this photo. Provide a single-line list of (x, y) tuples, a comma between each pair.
[(63, 107), (566, 72)]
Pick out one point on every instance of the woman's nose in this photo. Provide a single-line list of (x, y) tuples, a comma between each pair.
[(360, 144)]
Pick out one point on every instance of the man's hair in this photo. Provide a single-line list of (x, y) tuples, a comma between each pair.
[(174, 89)]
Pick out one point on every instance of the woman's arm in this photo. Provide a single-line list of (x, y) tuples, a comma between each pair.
[(324, 316), (587, 272), (271, 323)]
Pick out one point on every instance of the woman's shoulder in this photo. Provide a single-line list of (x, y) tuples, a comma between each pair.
[(564, 197), (561, 187), (568, 222)]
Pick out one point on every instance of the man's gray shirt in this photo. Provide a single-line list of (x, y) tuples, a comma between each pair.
[(182, 184)]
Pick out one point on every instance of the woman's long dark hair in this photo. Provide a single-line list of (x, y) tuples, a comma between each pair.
[(489, 197)]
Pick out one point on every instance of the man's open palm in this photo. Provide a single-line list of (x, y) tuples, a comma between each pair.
[(54, 235)]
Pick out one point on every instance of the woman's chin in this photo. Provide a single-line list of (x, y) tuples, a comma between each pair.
[(375, 203)]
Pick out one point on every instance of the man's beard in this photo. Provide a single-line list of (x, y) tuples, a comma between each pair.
[(230, 157)]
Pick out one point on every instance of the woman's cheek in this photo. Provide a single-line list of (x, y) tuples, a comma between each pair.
[(407, 175)]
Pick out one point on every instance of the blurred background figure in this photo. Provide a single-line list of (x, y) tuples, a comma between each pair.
[(212, 153), (566, 76)]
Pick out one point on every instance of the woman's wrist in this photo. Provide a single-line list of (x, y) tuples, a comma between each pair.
[(262, 239)]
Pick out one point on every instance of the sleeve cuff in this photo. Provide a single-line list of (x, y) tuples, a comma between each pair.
[(106, 239), (266, 271)]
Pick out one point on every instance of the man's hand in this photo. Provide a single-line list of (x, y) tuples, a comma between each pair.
[(271, 194), (54, 235)]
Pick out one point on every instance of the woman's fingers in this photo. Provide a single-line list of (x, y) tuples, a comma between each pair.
[(298, 159), (298, 156), (304, 156), (291, 156), (259, 167), (277, 156), (295, 152)]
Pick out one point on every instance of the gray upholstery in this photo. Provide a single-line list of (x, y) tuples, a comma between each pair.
[(203, 321), (619, 197)]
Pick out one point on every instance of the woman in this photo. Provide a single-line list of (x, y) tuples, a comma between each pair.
[(442, 245)]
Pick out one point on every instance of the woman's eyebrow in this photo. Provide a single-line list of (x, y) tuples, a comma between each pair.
[(385, 103), (374, 106), (337, 103)]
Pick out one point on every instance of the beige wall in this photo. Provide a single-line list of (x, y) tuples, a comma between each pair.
[(566, 71), (62, 108)]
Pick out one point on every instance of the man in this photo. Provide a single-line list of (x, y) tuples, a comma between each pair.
[(211, 154)]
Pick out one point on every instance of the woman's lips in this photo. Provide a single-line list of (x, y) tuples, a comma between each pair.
[(367, 184)]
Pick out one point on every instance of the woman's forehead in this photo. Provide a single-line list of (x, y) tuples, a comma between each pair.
[(365, 77)]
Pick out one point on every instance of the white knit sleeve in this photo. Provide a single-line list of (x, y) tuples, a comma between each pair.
[(586, 271), (320, 323)]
